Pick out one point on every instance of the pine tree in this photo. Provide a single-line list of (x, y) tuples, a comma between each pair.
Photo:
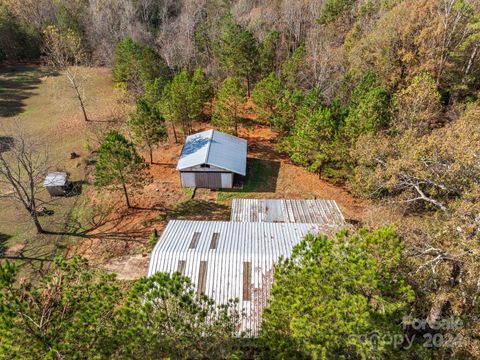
[(268, 53), (79, 312), (292, 68), (66, 314), (135, 66), (184, 97), (148, 126), (230, 103), (119, 164), (333, 293), (237, 49), (266, 96)]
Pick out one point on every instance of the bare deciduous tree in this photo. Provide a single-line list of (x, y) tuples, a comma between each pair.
[(64, 53), (23, 164)]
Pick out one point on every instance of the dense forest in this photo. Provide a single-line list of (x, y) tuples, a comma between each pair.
[(380, 96)]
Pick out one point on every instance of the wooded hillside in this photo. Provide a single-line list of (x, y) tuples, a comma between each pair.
[(380, 96)]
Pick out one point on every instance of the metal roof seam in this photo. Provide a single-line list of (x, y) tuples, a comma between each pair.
[(207, 152)]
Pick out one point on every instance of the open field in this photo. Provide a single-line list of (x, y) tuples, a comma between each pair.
[(97, 224), (44, 106)]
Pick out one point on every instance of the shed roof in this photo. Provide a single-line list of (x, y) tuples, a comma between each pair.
[(55, 178), (214, 148), (228, 260), (314, 211)]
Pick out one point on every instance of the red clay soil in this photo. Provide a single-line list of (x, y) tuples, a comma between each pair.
[(122, 242), (295, 182)]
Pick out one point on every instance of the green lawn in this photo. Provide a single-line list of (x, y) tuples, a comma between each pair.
[(46, 108), (261, 177)]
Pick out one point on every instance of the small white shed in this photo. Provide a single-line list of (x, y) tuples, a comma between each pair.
[(56, 183), (210, 159)]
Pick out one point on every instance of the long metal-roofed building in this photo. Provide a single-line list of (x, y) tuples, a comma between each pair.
[(287, 210), (210, 159), (229, 260)]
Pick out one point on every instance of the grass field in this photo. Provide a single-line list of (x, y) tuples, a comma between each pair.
[(44, 105), (260, 181)]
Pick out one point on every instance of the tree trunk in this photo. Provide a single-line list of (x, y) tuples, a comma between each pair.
[(126, 195), (470, 61), (82, 106), (151, 154), (79, 96), (174, 133), (38, 226)]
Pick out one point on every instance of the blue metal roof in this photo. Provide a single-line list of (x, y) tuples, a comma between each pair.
[(214, 148)]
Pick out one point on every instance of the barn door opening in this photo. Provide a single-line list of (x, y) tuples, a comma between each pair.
[(208, 180)]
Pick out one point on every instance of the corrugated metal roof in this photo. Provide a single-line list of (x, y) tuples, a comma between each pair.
[(55, 179), (214, 148), (286, 210), (241, 253)]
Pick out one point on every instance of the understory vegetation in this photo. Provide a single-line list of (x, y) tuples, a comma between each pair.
[(381, 97)]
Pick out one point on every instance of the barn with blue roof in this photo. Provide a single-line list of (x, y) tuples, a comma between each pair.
[(211, 159)]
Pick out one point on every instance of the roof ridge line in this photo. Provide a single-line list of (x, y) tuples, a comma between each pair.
[(207, 153)]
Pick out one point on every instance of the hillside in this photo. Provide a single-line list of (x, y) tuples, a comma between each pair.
[(373, 104)]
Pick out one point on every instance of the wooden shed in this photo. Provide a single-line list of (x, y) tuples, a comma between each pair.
[(210, 159), (56, 183)]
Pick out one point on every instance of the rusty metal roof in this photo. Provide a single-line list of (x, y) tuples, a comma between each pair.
[(286, 210), (228, 260)]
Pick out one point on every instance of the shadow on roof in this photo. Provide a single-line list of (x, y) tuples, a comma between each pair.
[(194, 145)]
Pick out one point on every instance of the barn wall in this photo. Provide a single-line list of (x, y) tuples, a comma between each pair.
[(199, 168), (227, 180), (56, 190), (188, 179)]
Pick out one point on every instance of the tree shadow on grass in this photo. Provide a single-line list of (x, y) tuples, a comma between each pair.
[(16, 85), (3, 240), (74, 188), (6, 143), (195, 210), (262, 176), (99, 224)]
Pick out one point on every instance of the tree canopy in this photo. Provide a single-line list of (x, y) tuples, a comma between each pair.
[(183, 99), (229, 105), (332, 290), (77, 312), (148, 126), (119, 164)]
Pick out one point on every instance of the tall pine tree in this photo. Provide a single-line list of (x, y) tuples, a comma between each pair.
[(119, 165), (229, 106)]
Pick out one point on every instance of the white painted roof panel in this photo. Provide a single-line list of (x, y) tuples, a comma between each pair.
[(55, 179), (260, 244), (214, 148)]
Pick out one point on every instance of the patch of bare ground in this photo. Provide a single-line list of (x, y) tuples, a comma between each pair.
[(127, 230), (294, 182), (14, 249), (129, 267), (121, 245)]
